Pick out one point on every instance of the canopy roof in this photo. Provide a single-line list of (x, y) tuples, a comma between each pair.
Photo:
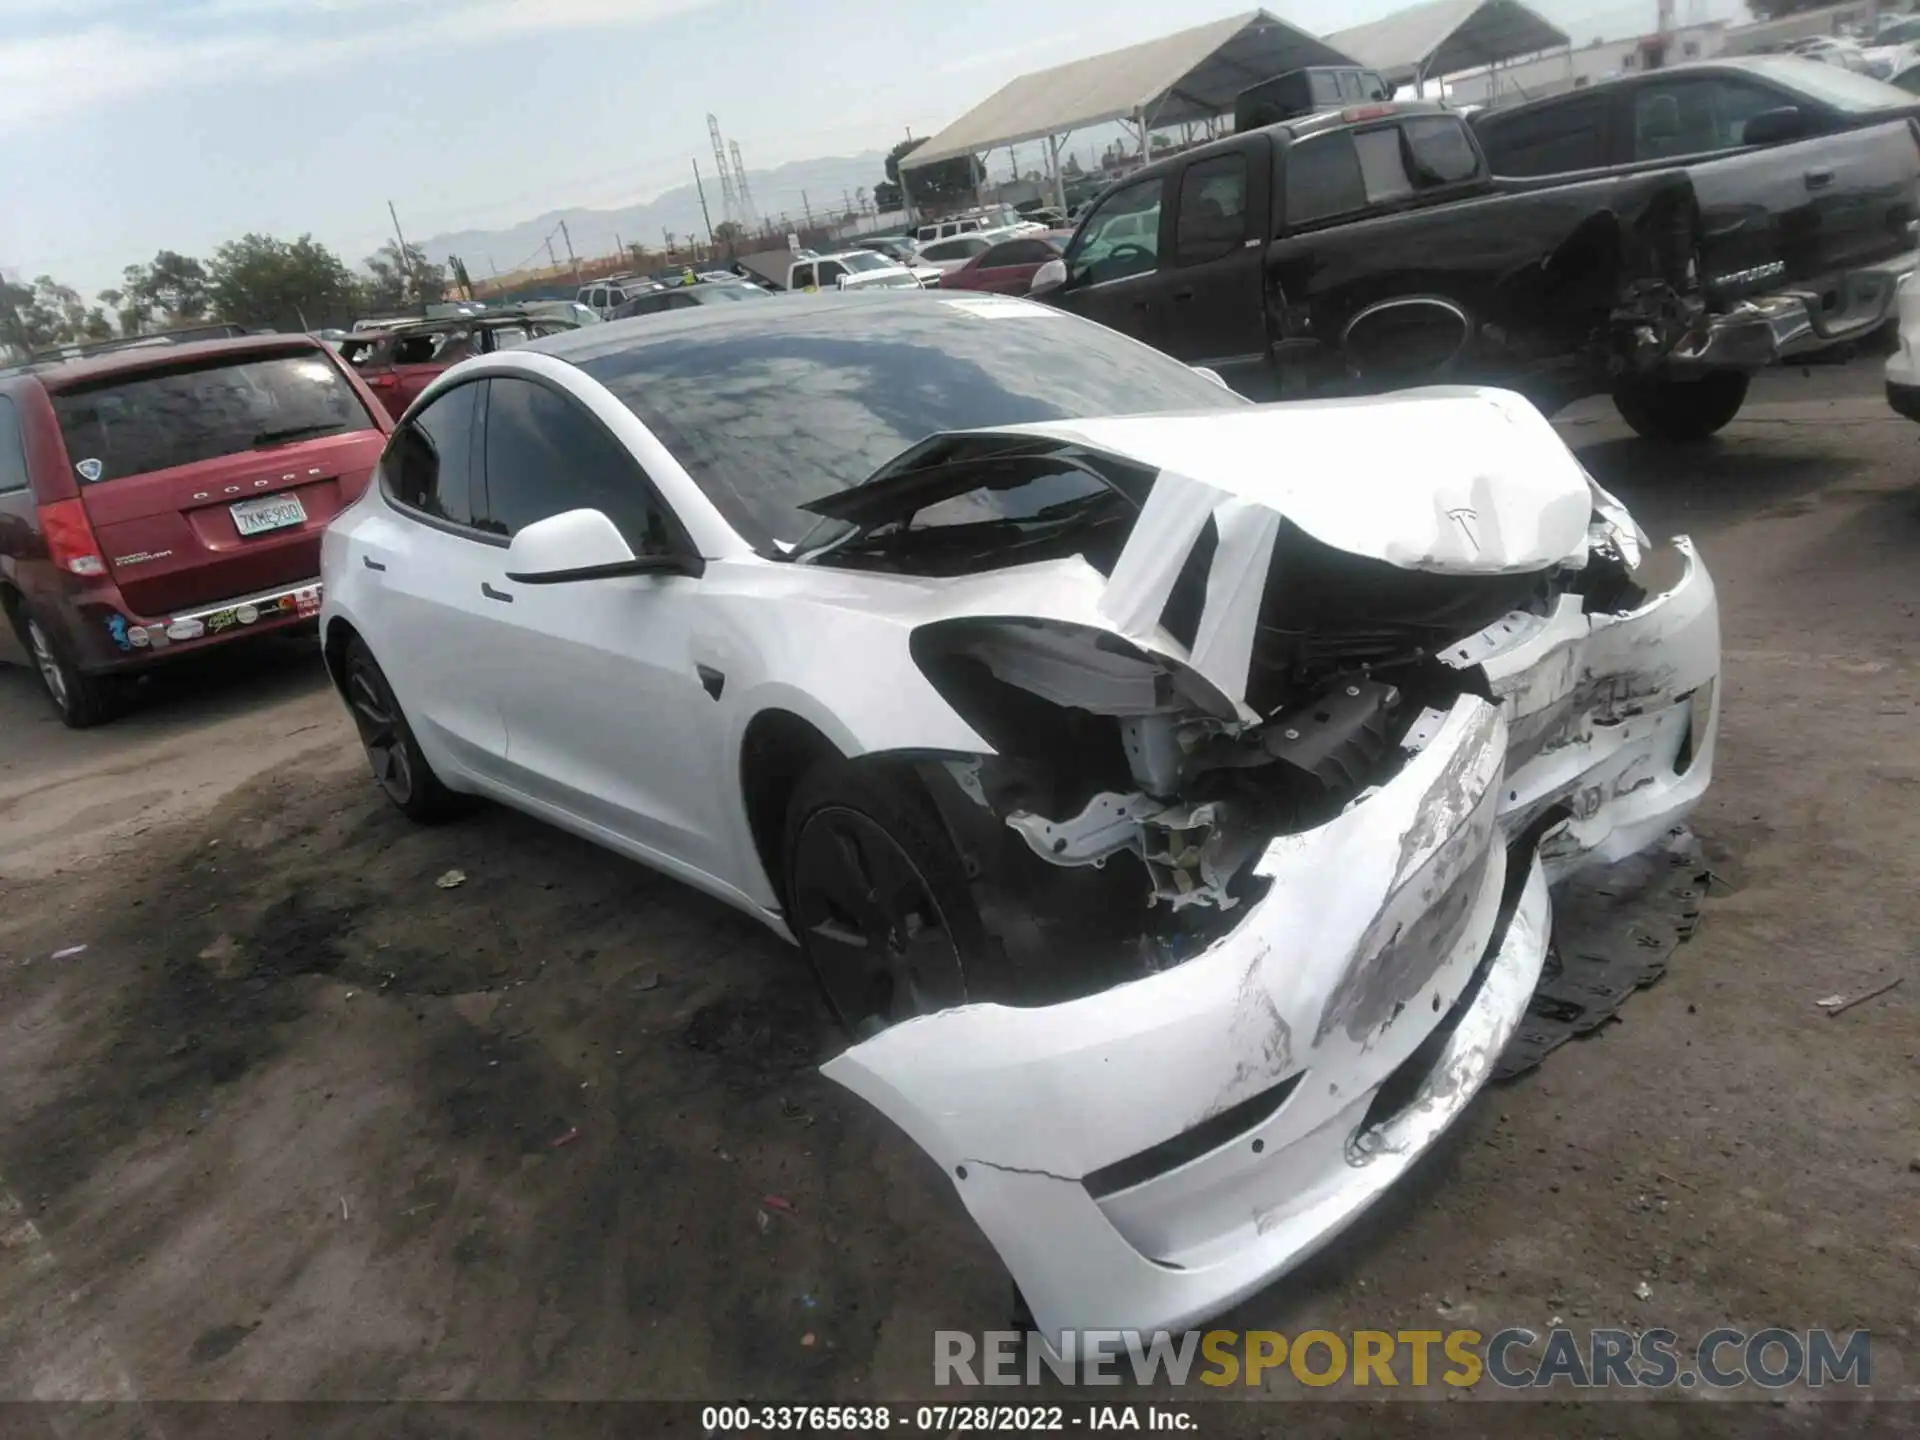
[(1445, 37), (1189, 75)]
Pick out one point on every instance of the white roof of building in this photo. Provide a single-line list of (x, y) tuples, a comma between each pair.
[(1189, 75), (1445, 37)]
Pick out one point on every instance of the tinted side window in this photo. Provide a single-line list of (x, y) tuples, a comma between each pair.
[(1211, 219), (1121, 237), (802, 277), (429, 460), (1382, 167), (1439, 152), (1552, 140), (546, 456), (1017, 252), (1323, 178), (13, 454), (1695, 117), (830, 273)]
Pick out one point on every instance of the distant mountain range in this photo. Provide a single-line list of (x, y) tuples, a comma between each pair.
[(595, 233)]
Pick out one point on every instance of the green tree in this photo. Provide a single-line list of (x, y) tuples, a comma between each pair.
[(49, 313), (298, 285), (171, 289), (728, 232), (402, 279)]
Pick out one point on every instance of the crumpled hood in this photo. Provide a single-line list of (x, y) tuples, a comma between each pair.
[(1456, 479)]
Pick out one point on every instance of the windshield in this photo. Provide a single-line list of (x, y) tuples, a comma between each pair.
[(153, 421), (768, 416), (866, 260), (1833, 84)]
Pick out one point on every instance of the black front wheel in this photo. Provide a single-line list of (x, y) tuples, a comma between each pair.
[(398, 764), (876, 896), (1681, 411)]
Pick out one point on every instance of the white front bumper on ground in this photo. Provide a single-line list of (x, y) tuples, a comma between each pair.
[(1903, 366), (1395, 949)]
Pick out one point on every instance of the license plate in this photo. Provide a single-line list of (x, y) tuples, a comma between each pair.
[(269, 512)]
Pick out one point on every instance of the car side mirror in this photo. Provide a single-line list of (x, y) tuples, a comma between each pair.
[(1048, 278), (584, 545), (1773, 127)]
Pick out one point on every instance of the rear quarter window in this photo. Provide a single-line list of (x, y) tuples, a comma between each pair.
[(155, 420), (13, 451)]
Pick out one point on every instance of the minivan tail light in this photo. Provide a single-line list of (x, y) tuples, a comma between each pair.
[(70, 540)]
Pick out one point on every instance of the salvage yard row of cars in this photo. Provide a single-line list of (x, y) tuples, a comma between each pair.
[(1166, 789)]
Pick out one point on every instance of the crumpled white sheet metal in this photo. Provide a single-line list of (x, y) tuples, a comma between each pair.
[(1451, 479), (1361, 948)]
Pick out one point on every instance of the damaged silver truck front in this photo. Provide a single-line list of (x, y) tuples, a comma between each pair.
[(1268, 824)]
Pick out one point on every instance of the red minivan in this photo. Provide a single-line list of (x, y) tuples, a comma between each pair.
[(162, 500)]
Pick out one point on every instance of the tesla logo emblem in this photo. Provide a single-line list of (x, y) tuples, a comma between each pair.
[(1468, 524)]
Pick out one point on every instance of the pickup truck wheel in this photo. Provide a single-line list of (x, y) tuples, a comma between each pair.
[(1681, 411)]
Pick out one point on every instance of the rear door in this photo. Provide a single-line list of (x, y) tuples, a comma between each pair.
[(418, 569), (1214, 311), (213, 479), (1114, 260), (424, 356)]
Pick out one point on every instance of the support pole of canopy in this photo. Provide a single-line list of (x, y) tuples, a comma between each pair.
[(1059, 181)]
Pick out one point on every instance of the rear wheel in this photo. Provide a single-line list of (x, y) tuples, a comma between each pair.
[(82, 700), (398, 764), (1681, 411), (876, 896)]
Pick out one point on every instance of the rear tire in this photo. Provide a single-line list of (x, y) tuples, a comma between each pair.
[(1683, 412), (876, 895), (399, 767), (81, 700)]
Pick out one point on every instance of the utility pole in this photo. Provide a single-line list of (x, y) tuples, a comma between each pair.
[(700, 187), (572, 259), (553, 262), (807, 208), (406, 255)]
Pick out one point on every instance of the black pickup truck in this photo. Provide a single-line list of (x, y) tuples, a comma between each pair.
[(1369, 248), (1807, 176)]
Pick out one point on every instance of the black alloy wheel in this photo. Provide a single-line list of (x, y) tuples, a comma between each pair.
[(865, 911)]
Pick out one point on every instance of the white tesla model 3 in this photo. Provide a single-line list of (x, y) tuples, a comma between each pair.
[(1122, 755)]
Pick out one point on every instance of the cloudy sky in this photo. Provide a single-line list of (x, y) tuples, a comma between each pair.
[(132, 125)]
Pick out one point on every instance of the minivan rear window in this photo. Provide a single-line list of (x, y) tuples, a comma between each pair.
[(155, 420)]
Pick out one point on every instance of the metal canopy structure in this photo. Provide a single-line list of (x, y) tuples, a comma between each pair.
[(1445, 37), (1191, 75)]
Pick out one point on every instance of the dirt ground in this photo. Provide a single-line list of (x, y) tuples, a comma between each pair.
[(298, 1123)]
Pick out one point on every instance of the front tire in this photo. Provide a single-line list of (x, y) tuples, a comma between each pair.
[(876, 896), (399, 767), (1682, 412), (81, 700)]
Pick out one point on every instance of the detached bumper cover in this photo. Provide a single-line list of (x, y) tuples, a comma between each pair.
[(1148, 1156)]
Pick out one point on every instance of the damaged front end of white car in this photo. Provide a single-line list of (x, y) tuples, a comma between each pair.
[(1264, 825)]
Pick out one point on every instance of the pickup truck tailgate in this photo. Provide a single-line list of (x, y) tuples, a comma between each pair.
[(1802, 214)]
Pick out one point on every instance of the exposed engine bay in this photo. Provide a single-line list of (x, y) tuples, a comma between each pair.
[(1274, 781)]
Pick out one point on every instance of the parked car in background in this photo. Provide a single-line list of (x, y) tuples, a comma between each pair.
[(948, 228), (1005, 267), (558, 310), (1808, 181), (947, 256), (1388, 257), (157, 501), (848, 270), (1150, 763), (399, 362), (603, 297), (689, 297)]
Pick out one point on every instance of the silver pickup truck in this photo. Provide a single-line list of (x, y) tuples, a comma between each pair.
[(1808, 181)]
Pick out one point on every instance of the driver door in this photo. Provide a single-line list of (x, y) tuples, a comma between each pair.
[(607, 720), (1113, 263)]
